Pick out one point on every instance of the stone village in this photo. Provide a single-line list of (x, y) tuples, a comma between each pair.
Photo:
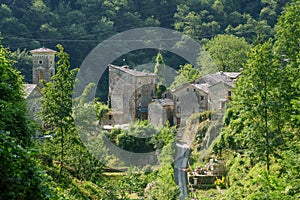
[(132, 96)]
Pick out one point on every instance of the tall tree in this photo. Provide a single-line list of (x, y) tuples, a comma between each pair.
[(56, 102), (258, 98)]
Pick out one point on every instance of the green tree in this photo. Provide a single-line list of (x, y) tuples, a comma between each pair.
[(13, 111), (258, 98), (56, 111), (23, 63), (137, 137), (264, 115), (187, 73), (21, 177), (228, 52), (160, 70)]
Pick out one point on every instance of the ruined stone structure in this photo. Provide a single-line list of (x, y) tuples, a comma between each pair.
[(130, 92), (43, 65)]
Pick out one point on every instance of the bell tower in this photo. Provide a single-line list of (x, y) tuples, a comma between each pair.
[(43, 65)]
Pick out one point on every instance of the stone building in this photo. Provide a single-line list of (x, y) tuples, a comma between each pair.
[(161, 111), (43, 68), (43, 65), (188, 99), (130, 92), (209, 92), (219, 88), (32, 95)]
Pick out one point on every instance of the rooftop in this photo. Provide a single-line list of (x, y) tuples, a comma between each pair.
[(131, 71), (225, 77), (232, 75), (28, 88), (43, 50), (204, 87), (166, 102)]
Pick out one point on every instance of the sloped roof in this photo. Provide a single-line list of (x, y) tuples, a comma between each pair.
[(131, 71), (43, 50), (232, 75), (28, 88), (180, 87), (166, 102), (163, 102), (212, 79), (204, 87)]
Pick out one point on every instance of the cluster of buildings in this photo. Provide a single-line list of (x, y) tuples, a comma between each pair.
[(132, 96), (132, 93)]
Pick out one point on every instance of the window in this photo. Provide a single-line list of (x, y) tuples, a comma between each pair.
[(40, 62), (229, 93), (187, 89)]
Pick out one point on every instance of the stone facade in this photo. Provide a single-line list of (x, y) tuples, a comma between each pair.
[(32, 95), (219, 94), (210, 92), (43, 65), (132, 96), (161, 111), (130, 92), (188, 99)]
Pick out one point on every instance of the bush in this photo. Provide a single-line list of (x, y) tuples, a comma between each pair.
[(20, 176)]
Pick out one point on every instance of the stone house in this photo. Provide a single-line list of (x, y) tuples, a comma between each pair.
[(219, 88), (188, 99), (163, 108), (130, 92), (32, 95)]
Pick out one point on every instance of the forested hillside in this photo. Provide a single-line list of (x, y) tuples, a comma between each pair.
[(80, 25)]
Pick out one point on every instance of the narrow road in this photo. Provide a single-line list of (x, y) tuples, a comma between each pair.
[(181, 159)]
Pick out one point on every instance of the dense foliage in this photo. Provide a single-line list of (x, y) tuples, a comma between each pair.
[(13, 111), (21, 175), (262, 126), (81, 25)]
